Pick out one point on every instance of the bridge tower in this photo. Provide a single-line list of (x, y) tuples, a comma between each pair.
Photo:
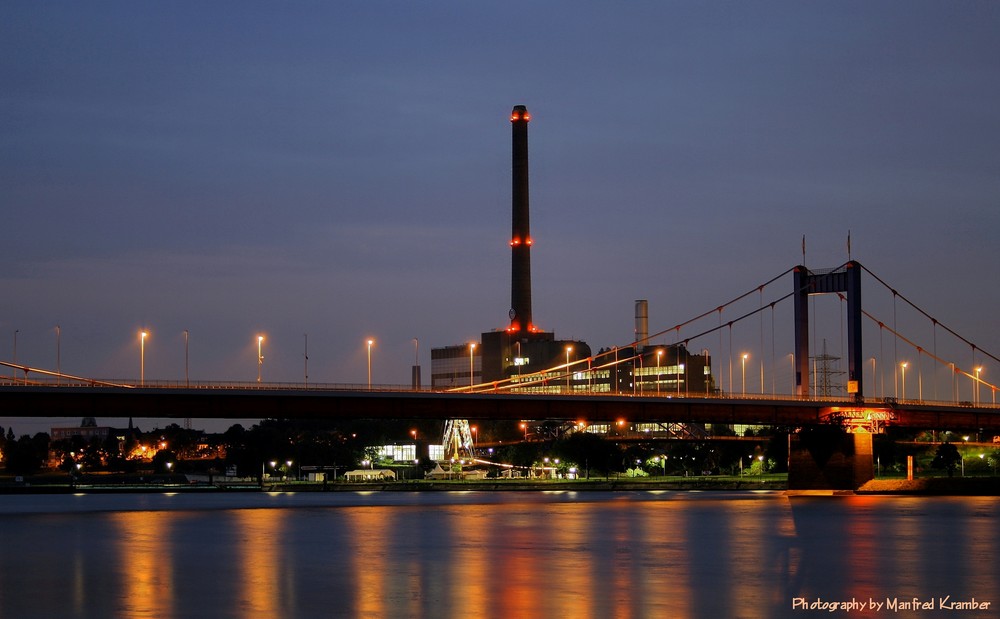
[(846, 279)]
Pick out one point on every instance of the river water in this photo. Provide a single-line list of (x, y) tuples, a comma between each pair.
[(496, 554)]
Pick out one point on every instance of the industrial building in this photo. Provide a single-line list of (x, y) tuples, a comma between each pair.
[(523, 358)]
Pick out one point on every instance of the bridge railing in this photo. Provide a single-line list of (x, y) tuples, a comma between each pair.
[(181, 384), (834, 400)]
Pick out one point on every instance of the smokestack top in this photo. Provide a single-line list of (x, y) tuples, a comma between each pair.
[(520, 112)]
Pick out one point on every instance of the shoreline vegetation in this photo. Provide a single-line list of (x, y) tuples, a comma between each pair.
[(928, 486)]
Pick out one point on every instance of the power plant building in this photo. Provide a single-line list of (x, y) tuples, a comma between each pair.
[(523, 358)]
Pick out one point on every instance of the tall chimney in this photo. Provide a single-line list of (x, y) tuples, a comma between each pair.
[(520, 241), (641, 323)]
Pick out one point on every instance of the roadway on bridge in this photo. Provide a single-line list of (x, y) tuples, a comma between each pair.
[(317, 403)]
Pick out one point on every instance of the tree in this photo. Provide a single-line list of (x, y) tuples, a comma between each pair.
[(27, 454), (589, 452), (161, 459), (947, 457)]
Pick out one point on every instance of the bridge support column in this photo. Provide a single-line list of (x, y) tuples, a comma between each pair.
[(827, 458), (805, 283)]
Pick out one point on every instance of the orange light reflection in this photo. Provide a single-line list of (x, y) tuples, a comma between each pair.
[(147, 565), (262, 556)]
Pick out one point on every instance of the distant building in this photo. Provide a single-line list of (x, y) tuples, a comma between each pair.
[(87, 430), (650, 370), (456, 366)]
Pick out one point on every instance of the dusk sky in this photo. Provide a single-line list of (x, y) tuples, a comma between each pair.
[(342, 170)]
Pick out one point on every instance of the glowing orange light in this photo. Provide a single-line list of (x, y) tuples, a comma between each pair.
[(529, 241)]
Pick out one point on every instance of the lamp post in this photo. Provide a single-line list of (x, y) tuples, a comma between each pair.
[(709, 368), (14, 361), (260, 356), (966, 440), (659, 354), (472, 364), (58, 355), (903, 380), (142, 358), (524, 427), (370, 342), (743, 362), (569, 349)]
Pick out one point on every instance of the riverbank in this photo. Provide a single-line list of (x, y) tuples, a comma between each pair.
[(934, 486), (930, 486), (178, 483)]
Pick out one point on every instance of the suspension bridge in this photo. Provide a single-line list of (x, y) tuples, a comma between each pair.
[(947, 389)]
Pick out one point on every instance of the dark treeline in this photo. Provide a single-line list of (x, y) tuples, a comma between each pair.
[(269, 446)]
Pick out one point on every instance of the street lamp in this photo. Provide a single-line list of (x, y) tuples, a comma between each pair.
[(743, 362), (569, 349), (58, 356), (966, 439), (260, 356), (903, 371), (472, 364), (524, 427), (142, 358), (659, 354), (370, 342)]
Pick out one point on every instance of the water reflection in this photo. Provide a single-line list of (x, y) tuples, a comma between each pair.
[(263, 570), (592, 556), (145, 564), (368, 561)]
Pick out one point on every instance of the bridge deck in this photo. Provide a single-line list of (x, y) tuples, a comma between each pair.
[(288, 402)]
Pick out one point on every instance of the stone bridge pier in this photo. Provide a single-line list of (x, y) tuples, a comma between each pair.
[(828, 458)]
